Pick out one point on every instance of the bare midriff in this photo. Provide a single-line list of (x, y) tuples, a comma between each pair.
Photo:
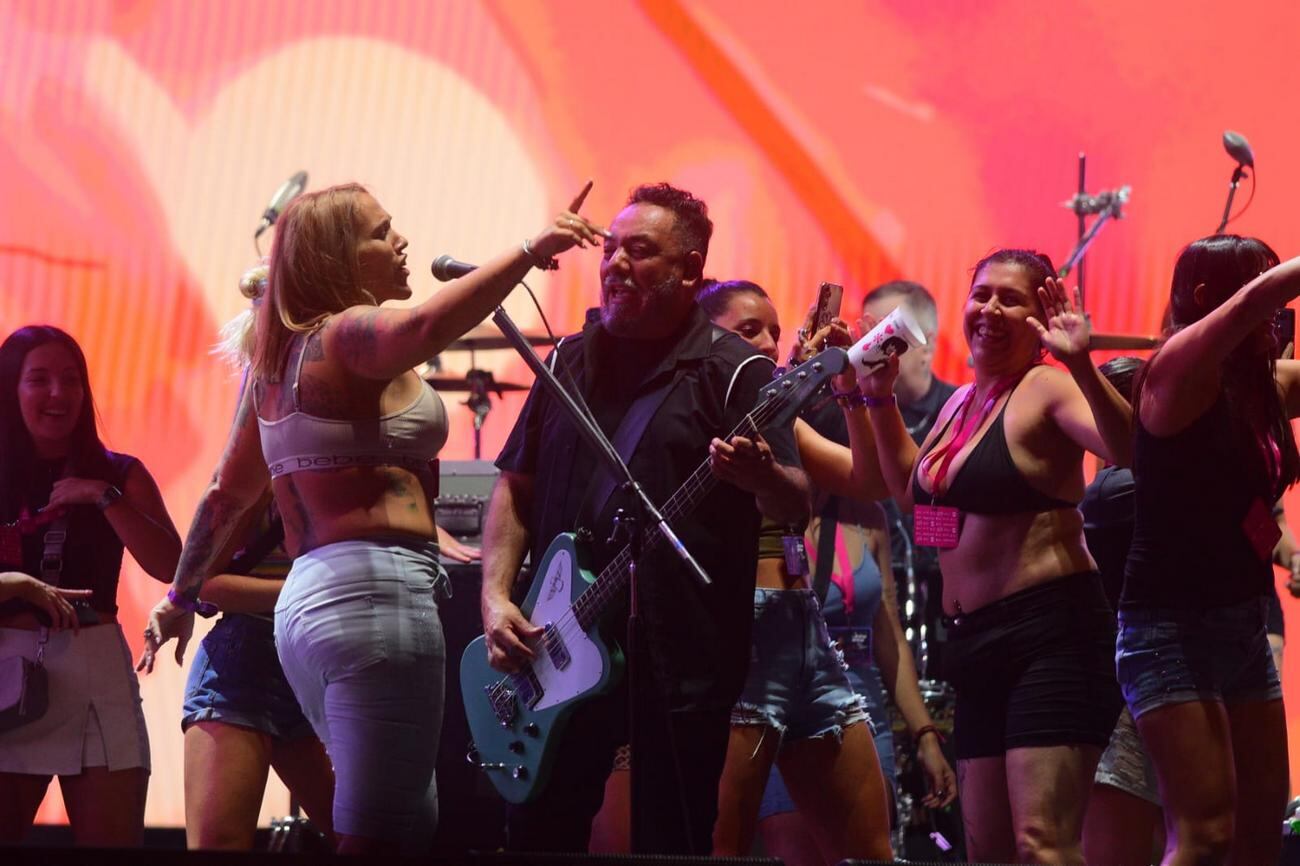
[(772, 574), (1001, 554), (326, 506), (352, 504)]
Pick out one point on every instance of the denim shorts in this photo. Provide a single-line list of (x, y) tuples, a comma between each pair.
[(359, 636), (236, 678), (866, 681), (1175, 656), (796, 682)]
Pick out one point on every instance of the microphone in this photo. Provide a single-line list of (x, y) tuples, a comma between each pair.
[(446, 268), (1235, 144), (287, 192)]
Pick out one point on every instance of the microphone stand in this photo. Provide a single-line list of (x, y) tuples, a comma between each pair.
[(1082, 226), (624, 525), (1112, 207), (596, 439), (918, 605), (1237, 174)]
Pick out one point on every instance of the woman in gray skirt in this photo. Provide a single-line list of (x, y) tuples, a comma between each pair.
[(68, 507)]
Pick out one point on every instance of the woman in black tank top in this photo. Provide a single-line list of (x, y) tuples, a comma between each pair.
[(1214, 451), (994, 486), (69, 508)]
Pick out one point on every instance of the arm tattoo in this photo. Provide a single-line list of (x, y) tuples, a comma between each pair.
[(358, 339), (215, 519)]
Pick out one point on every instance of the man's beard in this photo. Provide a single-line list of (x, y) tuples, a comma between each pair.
[(658, 303)]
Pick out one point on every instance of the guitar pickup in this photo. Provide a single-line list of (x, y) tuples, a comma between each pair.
[(555, 648), (527, 688)]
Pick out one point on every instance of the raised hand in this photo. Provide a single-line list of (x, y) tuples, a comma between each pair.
[(569, 230), (1067, 331)]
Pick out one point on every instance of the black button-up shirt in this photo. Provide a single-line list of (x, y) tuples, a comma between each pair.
[(698, 636)]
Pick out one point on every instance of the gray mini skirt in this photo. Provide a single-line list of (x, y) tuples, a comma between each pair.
[(94, 718)]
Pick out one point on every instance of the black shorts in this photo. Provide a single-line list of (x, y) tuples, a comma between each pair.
[(1036, 668)]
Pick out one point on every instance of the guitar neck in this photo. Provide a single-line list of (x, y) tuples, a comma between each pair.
[(591, 605), (781, 399)]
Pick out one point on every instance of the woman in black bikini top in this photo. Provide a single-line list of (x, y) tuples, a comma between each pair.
[(994, 487)]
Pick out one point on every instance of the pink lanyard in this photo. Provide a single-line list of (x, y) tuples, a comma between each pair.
[(946, 453)]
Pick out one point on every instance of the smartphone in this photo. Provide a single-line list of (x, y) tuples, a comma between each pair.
[(829, 298), (1284, 323)]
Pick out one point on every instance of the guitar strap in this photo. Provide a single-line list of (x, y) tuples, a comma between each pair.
[(633, 427), (625, 439)]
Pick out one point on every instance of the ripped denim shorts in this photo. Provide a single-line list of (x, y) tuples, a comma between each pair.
[(796, 684)]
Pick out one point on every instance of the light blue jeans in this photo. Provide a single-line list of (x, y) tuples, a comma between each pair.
[(358, 634)]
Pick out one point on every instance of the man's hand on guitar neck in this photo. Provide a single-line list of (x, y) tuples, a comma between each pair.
[(781, 492)]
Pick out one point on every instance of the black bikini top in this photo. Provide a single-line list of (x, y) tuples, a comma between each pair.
[(989, 482)]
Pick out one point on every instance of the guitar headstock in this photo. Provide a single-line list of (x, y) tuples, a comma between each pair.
[(784, 396)]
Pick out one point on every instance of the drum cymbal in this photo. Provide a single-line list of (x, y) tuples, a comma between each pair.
[(456, 383), (486, 337)]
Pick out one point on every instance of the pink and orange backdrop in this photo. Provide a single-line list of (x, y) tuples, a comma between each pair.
[(850, 141)]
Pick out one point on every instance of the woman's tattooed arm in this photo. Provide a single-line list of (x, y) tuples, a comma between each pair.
[(237, 485)]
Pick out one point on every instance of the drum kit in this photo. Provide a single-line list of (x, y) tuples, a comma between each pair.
[(479, 384)]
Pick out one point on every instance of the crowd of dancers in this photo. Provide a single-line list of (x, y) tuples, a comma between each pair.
[(1115, 686)]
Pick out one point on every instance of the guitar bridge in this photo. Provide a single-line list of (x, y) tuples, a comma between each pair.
[(555, 648), (501, 695)]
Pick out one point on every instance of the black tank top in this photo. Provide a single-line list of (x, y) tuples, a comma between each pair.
[(1194, 489), (92, 555)]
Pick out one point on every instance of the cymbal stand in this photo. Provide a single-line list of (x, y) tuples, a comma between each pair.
[(480, 402)]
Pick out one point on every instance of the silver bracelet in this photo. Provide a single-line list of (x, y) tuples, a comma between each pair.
[(545, 264)]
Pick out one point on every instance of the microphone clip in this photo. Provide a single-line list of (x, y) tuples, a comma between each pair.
[(1109, 201)]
